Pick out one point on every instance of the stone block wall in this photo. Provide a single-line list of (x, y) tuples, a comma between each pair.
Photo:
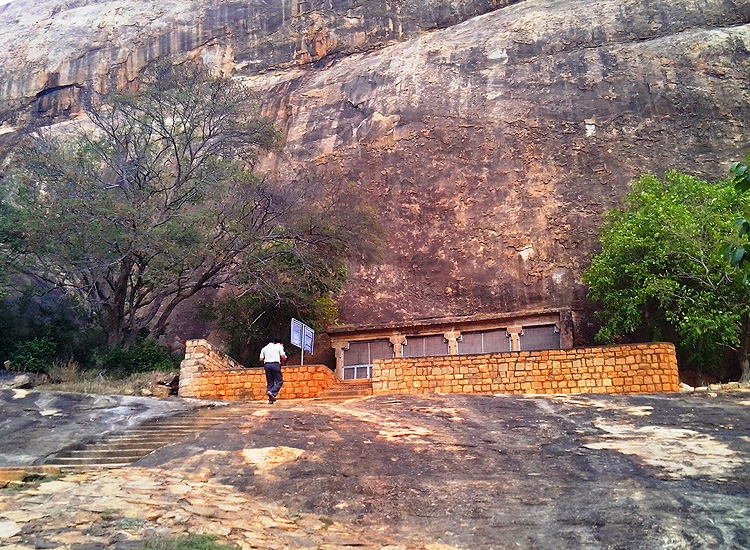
[(637, 368), (207, 373)]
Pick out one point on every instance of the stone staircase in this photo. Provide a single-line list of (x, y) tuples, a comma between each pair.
[(119, 449), (347, 389)]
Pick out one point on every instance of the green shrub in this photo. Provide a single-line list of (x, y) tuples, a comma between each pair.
[(145, 355), (35, 355), (28, 317)]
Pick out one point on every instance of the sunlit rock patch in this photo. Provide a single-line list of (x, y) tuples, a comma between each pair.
[(678, 453), (632, 410), (268, 458)]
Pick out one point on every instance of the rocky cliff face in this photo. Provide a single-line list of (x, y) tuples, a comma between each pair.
[(54, 48), (491, 147)]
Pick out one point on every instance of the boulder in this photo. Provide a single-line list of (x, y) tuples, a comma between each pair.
[(18, 380)]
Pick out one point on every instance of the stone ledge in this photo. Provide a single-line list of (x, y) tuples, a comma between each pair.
[(685, 388)]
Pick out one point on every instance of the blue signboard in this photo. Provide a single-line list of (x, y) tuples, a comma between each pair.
[(302, 336), (297, 333), (308, 340)]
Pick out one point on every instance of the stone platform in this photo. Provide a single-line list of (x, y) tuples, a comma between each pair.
[(428, 472)]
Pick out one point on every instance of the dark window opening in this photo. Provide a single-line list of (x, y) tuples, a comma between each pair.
[(425, 346), (540, 338), (490, 341)]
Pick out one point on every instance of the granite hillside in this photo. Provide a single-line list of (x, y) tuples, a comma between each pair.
[(491, 136)]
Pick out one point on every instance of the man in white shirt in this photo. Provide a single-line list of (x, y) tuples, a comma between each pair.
[(272, 355)]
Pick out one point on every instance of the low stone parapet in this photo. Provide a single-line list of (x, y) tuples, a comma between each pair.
[(637, 368), (208, 373)]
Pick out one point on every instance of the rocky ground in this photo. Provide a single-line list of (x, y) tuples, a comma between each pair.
[(411, 473)]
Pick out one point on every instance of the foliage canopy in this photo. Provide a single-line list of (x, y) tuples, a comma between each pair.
[(661, 270), (738, 254)]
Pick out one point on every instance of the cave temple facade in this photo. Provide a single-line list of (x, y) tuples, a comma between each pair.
[(356, 348)]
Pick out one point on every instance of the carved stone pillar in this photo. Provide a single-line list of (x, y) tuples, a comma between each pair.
[(339, 347), (398, 341), (514, 333), (453, 338), (565, 327)]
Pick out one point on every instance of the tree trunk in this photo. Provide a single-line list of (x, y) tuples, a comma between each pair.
[(744, 349), (114, 332), (745, 364)]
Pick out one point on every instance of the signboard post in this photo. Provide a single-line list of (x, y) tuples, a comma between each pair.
[(302, 337)]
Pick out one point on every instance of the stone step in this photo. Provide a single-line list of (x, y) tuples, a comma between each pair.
[(336, 391), (64, 464), (118, 454), (103, 446), (121, 449), (140, 440), (347, 389), (89, 461), (187, 425), (169, 431)]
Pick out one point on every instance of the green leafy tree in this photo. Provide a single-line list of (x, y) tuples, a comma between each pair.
[(10, 236), (155, 201), (661, 270), (44, 316), (35, 355), (737, 254), (741, 175)]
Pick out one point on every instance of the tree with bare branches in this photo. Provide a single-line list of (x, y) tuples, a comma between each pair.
[(155, 200)]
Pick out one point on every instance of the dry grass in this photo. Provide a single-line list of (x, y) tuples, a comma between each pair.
[(189, 542), (69, 377)]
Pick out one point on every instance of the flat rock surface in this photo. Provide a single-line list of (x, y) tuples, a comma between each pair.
[(424, 473), (34, 425)]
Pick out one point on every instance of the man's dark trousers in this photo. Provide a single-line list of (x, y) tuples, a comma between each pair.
[(274, 381)]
